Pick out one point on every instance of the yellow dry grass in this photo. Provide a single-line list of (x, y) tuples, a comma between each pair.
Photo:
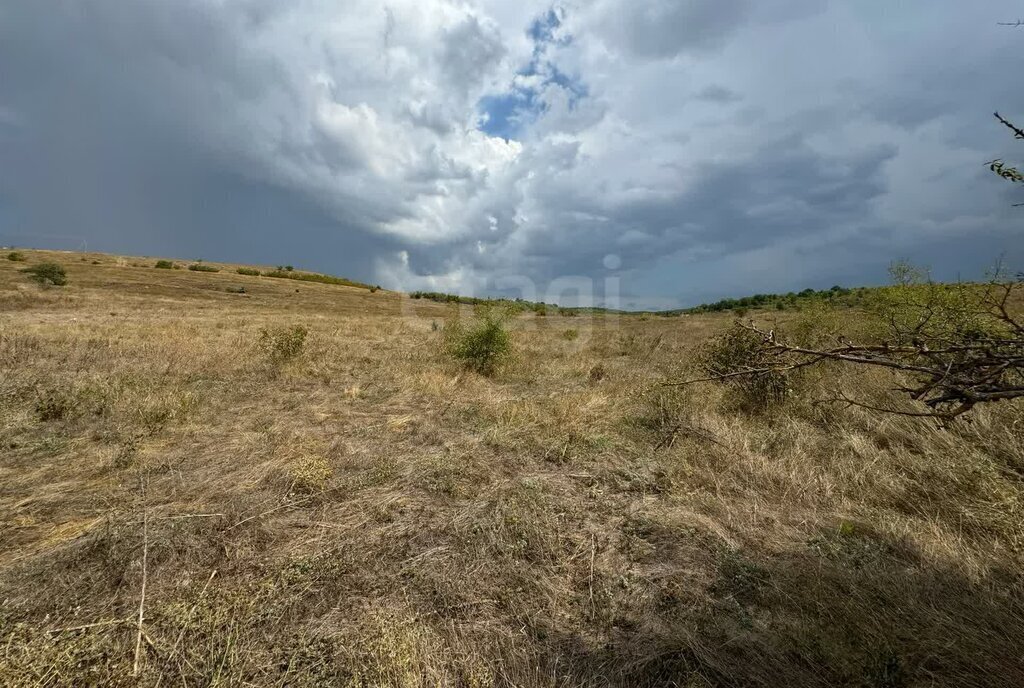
[(369, 514)]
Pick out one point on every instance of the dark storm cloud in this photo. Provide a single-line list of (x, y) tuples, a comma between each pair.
[(697, 141), (148, 126), (664, 28)]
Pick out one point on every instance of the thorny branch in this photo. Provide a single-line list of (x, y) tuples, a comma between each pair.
[(952, 371)]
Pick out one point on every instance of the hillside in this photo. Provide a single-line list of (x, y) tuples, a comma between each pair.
[(362, 511)]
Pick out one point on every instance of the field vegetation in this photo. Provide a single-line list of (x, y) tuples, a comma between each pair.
[(313, 484)]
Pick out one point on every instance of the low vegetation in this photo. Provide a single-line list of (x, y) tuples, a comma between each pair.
[(482, 344), (282, 344), (16, 257), (290, 273), (203, 267), (958, 346), (48, 274), (307, 489), (510, 306), (252, 272), (836, 296), (164, 265)]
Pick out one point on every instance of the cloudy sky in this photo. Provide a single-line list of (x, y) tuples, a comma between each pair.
[(685, 149)]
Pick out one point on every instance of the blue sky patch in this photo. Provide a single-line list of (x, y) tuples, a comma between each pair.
[(508, 114)]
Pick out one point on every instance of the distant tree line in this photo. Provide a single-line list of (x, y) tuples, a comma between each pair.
[(511, 305), (837, 295)]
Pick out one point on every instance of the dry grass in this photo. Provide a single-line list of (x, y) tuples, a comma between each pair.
[(368, 513)]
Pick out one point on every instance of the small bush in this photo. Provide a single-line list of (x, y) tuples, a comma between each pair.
[(740, 350), (283, 344), (252, 272), (235, 290), (570, 335), (311, 474), (200, 267), (482, 345), (47, 274), (56, 404), (164, 265), (16, 256)]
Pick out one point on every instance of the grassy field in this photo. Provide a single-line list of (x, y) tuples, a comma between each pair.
[(368, 513)]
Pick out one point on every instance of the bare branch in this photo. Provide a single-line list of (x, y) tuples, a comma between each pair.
[(961, 346), (1017, 133)]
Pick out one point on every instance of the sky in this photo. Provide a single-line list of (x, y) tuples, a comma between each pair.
[(631, 153)]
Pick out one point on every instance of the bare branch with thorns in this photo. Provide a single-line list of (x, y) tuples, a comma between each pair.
[(954, 370)]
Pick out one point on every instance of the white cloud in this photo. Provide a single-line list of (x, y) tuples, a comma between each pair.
[(662, 132)]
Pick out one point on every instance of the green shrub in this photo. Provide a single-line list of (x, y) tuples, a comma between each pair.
[(482, 345), (280, 273), (47, 274), (252, 272), (200, 267), (570, 334), (283, 344), (16, 256), (741, 351), (916, 308), (164, 265)]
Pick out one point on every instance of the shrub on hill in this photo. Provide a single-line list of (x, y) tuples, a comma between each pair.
[(16, 256), (954, 346), (481, 345), (200, 267), (164, 265), (252, 272), (739, 359), (315, 277), (47, 274), (282, 344)]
